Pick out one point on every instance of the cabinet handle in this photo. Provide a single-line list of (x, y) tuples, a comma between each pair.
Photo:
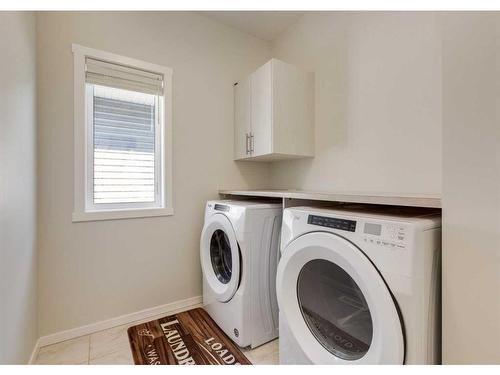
[(251, 142), (246, 143)]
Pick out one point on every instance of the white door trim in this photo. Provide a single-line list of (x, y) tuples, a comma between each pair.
[(34, 353)]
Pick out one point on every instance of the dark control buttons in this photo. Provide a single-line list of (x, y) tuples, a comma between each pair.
[(331, 222), (221, 207)]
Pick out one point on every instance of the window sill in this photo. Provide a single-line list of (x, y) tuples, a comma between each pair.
[(121, 214)]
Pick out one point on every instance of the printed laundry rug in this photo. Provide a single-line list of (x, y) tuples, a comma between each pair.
[(186, 338)]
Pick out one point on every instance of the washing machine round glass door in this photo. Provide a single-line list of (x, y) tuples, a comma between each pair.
[(336, 303), (220, 258)]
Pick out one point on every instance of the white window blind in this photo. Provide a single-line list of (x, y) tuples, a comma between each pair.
[(123, 117), (114, 75)]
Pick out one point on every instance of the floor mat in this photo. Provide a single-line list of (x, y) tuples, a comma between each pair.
[(186, 338)]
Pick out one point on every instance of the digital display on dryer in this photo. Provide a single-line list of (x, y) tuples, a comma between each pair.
[(374, 229), (332, 222)]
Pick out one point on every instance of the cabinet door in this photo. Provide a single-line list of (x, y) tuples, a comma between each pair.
[(242, 118), (293, 110), (261, 87)]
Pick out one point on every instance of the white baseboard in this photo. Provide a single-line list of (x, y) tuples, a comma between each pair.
[(169, 308), (34, 353)]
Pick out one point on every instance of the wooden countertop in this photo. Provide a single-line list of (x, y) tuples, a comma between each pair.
[(411, 200)]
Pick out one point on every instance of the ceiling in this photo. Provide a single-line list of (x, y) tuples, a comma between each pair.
[(264, 25)]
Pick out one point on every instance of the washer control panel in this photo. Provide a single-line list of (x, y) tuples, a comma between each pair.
[(221, 207), (387, 235)]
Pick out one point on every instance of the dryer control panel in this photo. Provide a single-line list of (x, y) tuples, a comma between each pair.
[(388, 235)]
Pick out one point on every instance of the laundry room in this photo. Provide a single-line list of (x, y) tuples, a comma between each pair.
[(250, 184)]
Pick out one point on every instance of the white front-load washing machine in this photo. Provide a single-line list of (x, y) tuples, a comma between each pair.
[(239, 251), (359, 286)]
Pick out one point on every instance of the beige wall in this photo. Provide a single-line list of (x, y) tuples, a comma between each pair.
[(471, 188), (18, 260), (387, 85), (378, 102), (98, 270)]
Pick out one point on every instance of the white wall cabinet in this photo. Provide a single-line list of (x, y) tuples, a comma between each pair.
[(274, 114)]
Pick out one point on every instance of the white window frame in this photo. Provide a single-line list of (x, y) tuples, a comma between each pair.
[(84, 207)]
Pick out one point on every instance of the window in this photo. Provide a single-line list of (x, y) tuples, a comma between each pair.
[(123, 147)]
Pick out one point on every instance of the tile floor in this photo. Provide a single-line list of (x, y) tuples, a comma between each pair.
[(111, 347)]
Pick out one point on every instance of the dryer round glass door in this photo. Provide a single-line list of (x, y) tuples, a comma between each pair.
[(336, 304), (340, 319), (220, 258)]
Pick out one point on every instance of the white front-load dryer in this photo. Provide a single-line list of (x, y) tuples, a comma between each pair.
[(359, 286), (239, 251)]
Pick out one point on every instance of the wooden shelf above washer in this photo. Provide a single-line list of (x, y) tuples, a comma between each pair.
[(409, 200)]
